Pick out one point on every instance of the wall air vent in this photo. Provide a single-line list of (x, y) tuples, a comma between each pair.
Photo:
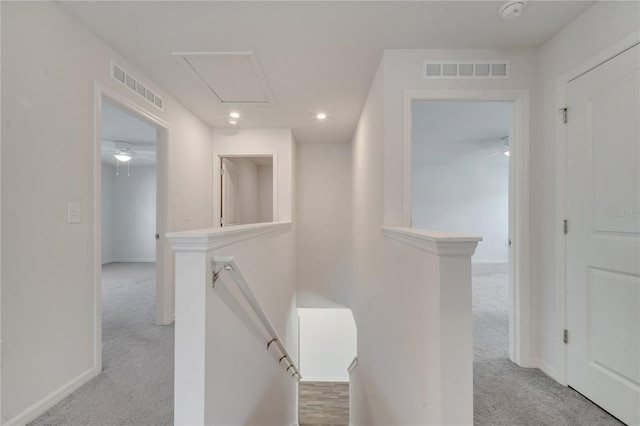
[(126, 79), (440, 70)]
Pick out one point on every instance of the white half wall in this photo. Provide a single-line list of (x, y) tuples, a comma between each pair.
[(328, 344), (225, 374), (323, 175), (50, 63)]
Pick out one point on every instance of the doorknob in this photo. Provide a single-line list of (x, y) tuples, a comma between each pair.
[(509, 242), (157, 236)]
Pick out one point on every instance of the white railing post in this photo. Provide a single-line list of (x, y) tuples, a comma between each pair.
[(445, 318), (193, 276)]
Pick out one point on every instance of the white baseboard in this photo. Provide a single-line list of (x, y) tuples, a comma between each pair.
[(40, 407), (489, 260), (325, 379), (545, 367)]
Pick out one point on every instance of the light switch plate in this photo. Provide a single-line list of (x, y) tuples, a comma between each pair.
[(73, 213)]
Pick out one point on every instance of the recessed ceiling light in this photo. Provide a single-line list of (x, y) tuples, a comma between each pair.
[(321, 116), (234, 115), (233, 122)]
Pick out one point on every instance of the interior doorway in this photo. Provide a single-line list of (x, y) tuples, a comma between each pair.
[(131, 204), (246, 190), (460, 183), (505, 148)]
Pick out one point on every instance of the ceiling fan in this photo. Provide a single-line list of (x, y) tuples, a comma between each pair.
[(499, 146), (123, 151)]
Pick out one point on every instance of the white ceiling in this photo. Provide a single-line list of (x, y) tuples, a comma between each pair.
[(460, 132), (316, 55), (121, 127)]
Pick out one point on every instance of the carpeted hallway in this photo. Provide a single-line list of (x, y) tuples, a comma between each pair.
[(503, 393), (136, 385)]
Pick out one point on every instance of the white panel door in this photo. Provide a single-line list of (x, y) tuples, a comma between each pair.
[(230, 193), (603, 245)]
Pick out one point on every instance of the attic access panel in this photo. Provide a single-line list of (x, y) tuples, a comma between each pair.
[(231, 77)]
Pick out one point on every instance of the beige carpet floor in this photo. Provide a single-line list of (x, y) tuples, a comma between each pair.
[(503, 393), (136, 385)]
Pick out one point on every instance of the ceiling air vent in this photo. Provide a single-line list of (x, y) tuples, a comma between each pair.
[(123, 77), (440, 70)]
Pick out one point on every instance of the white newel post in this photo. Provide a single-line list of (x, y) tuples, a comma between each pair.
[(456, 331), (193, 280), (449, 328)]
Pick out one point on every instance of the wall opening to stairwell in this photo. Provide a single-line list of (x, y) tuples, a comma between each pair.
[(327, 346)]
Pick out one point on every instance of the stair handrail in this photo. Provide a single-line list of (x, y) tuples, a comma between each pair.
[(226, 263)]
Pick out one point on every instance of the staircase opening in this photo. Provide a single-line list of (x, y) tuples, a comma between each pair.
[(327, 346)]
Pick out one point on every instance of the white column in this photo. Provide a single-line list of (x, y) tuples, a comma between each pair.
[(456, 334), (193, 280), (448, 355)]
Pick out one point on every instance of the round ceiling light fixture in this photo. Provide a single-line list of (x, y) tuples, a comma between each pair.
[(234, 115), (321, 116), (233, 122), (512, 9)]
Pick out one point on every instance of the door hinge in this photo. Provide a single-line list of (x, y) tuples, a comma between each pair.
[(221, 172), (565, 336), (221, 220), (563, 112), (566, 226)]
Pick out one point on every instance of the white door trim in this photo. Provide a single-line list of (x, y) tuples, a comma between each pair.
[(561, 189), (217, 181), (163, 283), (519, 291)]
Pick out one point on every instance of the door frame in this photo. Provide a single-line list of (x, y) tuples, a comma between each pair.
[(217, 180), (562, 138), (519, 286), (164, 314)]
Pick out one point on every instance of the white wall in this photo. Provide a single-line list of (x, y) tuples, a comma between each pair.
[(265, 194), (466, 198), (324, 225), (246, 142), (327, 344), (368, 379), (49, 65), (597, 29), (403, 72), (128, 214)]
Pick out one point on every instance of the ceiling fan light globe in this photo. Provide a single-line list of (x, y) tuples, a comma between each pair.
[(122, 157)]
